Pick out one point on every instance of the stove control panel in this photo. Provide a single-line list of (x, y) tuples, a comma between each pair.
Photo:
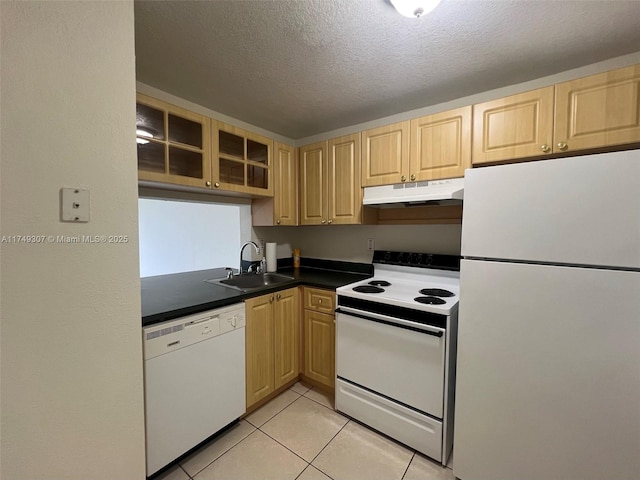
[(422, 260)]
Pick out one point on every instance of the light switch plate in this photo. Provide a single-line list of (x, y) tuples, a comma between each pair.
[(75, 205)]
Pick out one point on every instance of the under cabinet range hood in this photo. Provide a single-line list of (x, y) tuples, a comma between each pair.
[(449, 191)]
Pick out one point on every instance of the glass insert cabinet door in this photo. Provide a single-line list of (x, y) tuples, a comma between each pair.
[(242, 160), (173, 144)]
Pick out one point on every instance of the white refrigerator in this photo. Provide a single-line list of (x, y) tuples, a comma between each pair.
[(548, 368)]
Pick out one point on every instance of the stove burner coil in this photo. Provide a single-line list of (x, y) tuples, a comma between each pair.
[(436, 292), (368, 289), (380, 283), (430, 300)]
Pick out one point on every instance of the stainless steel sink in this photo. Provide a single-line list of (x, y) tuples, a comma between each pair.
[(251, 281)]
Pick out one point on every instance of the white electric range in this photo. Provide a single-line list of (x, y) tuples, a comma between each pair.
[(396, 348)]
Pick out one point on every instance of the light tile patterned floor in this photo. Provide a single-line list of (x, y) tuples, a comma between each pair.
[(298, 436)]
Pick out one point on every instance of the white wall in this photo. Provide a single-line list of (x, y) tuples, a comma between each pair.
[(187, 236), (72, 390), (349, 242)]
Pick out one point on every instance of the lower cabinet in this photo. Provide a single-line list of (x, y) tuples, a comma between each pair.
[(272, 343), (319, 336)]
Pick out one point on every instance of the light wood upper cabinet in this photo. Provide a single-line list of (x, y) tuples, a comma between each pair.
[(241, 161), (313, 184), (513, 127), (598, 111), (385, 154), (330, 190), (272, 342), (343, 181), (282, 208), (440, 145), (173, 143), (259, 344)]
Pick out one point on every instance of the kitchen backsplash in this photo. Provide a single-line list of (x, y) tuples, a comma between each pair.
[(349, 242)]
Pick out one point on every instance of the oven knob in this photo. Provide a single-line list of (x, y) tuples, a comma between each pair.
[(419, 259), (429, 259), (387, 256)]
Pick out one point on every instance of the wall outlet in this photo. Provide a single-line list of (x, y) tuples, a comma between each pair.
[(369, 243)]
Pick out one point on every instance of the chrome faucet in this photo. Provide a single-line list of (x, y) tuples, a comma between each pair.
[(242, 249)]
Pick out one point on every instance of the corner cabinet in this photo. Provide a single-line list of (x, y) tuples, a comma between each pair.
[(241, 161), (272, 343), (173, 144), (319, 336), (282, 208), (330, 187)]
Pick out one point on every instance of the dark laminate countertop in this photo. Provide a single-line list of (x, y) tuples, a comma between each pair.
[(165, 297)]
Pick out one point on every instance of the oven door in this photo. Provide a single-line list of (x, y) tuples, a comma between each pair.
[(403, 362)]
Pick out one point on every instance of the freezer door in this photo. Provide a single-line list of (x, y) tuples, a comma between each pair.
[(548, 376), (580, 210)]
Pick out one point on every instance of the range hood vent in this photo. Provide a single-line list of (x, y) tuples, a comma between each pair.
[(433, 192)]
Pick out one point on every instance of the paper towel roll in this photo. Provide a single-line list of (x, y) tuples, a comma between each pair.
[(272, 260)]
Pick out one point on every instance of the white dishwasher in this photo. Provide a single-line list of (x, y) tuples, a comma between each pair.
[(194, 380)]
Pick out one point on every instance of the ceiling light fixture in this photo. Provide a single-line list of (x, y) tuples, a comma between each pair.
[(143, 133), (414, 8)]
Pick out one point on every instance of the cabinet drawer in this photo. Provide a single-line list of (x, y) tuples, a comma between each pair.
[(319, 300)]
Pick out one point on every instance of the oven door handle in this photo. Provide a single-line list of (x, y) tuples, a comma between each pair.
[(434, 331)]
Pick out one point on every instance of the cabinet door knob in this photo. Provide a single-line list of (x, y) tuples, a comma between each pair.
[(217, 185), (545, 148), (278, 222), (323, 221), (562, 146), (271, 300), (330, 221), (413, 177), (319, 300), (403, 178), (208, 183), (278, 296)]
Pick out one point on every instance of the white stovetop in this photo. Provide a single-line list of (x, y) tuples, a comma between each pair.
[(406, 283)]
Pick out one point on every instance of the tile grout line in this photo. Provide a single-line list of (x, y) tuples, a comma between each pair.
[(309, 398), (316, 468), (303, 459), (283, 445), (275, 414), (327, 444), (185, 472), (219, 456), (408, 465)]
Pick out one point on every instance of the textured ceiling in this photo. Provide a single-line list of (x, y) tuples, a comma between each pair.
[(302, 67)]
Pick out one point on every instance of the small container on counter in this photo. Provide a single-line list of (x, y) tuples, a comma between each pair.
[(296, 258)]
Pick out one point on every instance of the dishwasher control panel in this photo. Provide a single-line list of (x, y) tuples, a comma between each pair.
[(172, 335)]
